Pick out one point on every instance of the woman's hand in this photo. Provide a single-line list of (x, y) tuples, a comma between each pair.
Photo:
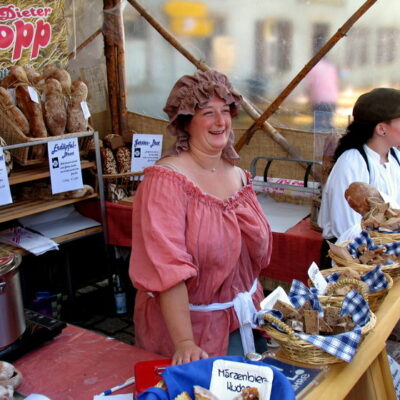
[(187, 351)]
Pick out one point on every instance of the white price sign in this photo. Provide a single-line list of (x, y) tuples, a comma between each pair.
[(146, 150), (65, 165), (229, 378), (5, 193)]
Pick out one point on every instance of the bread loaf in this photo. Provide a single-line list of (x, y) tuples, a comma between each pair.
[(108, 161), (34, 78), (32, 111), (54, 107), (357, 195), (16, 75), (61, 75), (7, 157), (123, 159), (13, 112), (76, 121)]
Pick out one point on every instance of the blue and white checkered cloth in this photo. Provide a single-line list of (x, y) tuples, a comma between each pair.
[(343, 345), (375, 279), (364, 238)]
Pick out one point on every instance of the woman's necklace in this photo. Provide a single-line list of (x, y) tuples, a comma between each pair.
[(197, 161)]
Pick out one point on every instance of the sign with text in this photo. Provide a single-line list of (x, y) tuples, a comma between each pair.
[(65, 165), (5, 193), (146, 150), (229, 378), (33, 33)]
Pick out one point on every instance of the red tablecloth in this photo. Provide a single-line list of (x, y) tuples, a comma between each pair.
[(79, 364), (292, 251)]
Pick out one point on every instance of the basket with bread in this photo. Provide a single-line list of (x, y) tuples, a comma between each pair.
[(377, 284), (320, 330), (370, 248), (35, 105)]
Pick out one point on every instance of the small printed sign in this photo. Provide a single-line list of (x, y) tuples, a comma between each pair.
[(5, 193), (65, 165), (85, 109), (33, 94), (229, 378), (317, 278), (146, 150)]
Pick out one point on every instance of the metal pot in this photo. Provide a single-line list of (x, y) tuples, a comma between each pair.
[(12, 321)]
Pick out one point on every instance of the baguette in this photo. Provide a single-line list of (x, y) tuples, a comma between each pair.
[(13, 112)]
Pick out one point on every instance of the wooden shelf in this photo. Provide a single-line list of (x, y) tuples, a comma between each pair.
[(60, 239), (33, 174), (30, 207)]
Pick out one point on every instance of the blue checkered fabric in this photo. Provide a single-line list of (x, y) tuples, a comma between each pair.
[(343, 345), (299, 293), (364, 238), (375, 279)]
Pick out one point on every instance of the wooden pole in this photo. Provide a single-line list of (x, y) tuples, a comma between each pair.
[(111, 62), (120, 58), (85, 43), (246, 104), (342, 31)]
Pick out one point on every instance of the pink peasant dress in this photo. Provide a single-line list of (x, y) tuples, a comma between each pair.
[(218, 247)]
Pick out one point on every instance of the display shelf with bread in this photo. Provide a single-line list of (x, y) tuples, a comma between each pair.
[(34, 194), (39, 104)]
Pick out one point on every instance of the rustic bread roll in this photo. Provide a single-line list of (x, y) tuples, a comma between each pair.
[(357, 195), (13, 112), (123, 159), (62, 76), (108, 161), (54, 107), (6, 370), (76, 121), (16, 75), (32, 111)]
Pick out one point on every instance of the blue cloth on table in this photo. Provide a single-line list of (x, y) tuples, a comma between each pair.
[(343, 345), (375, 279), (364, 238), (182, 378)]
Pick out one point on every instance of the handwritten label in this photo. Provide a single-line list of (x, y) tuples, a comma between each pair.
[(33, 94), (146, 150), (5, 193), (65, 165), (229, 378), (317, 278), (85, 109)]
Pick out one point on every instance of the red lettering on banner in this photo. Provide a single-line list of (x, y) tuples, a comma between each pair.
[(6, 36), (42, 37), (23, 35), (23, 38)]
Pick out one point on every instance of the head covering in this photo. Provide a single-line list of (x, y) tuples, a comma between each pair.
[(378, 105), (192, 91)]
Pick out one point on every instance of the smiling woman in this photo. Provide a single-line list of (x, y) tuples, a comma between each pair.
[(199, 237)]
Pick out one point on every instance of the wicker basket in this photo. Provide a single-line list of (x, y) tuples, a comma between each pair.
[(29, 155), (383, 238), (393, 269), (296, 349), (120, 186), (374, 299)]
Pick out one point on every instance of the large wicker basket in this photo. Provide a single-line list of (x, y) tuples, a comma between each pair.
[(383, 238), (296, 349), (28, 155), (374, 299), (392, 269)]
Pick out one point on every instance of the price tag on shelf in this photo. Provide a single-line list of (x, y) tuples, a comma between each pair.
[(64, 165), (5, 193)]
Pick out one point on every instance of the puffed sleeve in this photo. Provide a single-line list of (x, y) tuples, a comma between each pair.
[(159, 258)]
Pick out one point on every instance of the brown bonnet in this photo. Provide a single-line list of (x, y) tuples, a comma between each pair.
[(192, 91)]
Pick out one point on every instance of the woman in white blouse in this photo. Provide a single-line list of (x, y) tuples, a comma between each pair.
[(366, 153)]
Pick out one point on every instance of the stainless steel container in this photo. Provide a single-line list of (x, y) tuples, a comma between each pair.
[(12, 321)]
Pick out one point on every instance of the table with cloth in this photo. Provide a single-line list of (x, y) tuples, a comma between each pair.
[(292, 251)]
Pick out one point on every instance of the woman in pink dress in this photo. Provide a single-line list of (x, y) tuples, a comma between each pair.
[(200, 238)]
